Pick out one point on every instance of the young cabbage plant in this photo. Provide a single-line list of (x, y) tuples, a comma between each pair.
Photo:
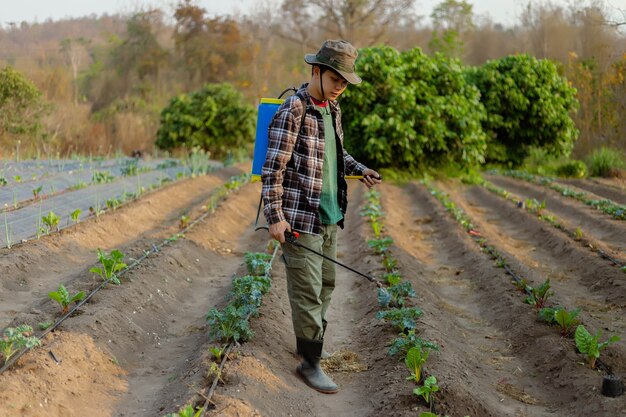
[(403, 319), (405, 341), (75, 216), (589, 345), (229, 324), (395, 295), (63, 297), (427, 390), (380, 246), (111, 265), (415, 359), (258, 263), (15, 339), (217, 352)]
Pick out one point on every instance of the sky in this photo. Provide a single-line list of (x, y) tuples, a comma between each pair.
[(501, 11)]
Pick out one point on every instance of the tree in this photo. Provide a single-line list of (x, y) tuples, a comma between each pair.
[(21, 106), (212, 118), (451, 20), (528, 105)]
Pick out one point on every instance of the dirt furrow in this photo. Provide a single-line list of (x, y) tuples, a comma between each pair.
[(263, 380), (152, 326), (537, 252), (488, 364), (28, 272), (593, 222)]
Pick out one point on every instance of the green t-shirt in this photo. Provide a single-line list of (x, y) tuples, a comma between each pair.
[(330, 213)]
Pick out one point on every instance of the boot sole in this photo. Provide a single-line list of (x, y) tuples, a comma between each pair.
[(311, 386)]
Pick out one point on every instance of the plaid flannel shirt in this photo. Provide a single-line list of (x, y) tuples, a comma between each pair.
[(292, 173)]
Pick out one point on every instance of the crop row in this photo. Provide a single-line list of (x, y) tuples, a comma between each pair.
[(536, 208), (16, 341), (617, 211), (587, 344), (231, 325), (394, 310)]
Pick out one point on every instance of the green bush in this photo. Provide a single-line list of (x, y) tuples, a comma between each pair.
[(602, 162), (572, 169), (412, 111), (528, 104), (213, 118)]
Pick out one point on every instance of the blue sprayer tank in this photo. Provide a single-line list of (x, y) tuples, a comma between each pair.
[(267, 109)]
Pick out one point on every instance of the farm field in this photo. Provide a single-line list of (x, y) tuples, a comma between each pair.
[(141, 348)]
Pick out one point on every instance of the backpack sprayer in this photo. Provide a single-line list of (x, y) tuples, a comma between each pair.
[(266, 111)]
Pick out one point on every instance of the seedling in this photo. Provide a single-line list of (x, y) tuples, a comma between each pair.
[(51, 221), (392, 278), (565, 319), (214, 371), (538, 296), (380, 246), (37, 191), (75, 216), (217, 352), (402, 319), (416, 358), (389, 263), (406, 341), (3, 181), (15, 339), (427, 390), (63, 297), (183, 223), (589, 345), (521, 285), (187, 411), (113, 203), (258, 263), (229, 324), (394, 296), (111, 264), (102, 177), (45, 324), (578, 234), (17, 178)]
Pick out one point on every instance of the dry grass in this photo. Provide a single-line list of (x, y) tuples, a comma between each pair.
[(343, 361)]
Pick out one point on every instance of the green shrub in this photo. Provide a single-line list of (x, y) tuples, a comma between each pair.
[(602, 162), (412, 111), (572, 169), (528, 104), (213, 118)]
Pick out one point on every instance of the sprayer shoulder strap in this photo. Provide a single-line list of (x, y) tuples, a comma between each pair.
[(305, 107)]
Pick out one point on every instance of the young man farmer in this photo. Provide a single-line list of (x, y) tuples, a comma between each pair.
[(304, 190)]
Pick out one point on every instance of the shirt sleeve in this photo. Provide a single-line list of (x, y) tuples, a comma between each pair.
[(282, 135), (352, 166)]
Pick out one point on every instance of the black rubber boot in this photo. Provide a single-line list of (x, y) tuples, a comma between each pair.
[(309, 370)]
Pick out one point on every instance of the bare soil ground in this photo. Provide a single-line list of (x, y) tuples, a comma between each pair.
[(140, 349)]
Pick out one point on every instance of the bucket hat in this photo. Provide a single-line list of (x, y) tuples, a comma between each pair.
[(338, 55)]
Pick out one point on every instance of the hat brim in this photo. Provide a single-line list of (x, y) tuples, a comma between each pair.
[(351, 77)]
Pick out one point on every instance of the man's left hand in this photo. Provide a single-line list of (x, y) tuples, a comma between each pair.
[(370, 178)]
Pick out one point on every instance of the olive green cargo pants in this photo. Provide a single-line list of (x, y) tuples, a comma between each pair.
[(310, 281)]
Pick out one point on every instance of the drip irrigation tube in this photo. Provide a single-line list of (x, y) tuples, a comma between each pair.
[(153, 249)]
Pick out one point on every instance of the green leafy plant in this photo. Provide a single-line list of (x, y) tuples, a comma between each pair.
[(51, 221), (14, 339), (415, 359), (380, 246), (62, 297), (406, 341), (539, 295), (37, 191), (566, 320), (187, 411), (258, 263), (230, 324), (389, 262), (427, 390), (217, 352), (75, 215), (395, 295), (3, 181), (605, 161), (392, 278), (183, 222), (45, 324), (402, 319), (578, 234), (589, 345), (102, 177), (111, 265), (204, 118)]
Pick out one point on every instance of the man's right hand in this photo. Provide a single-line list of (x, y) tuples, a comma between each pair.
[(277, 230)]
